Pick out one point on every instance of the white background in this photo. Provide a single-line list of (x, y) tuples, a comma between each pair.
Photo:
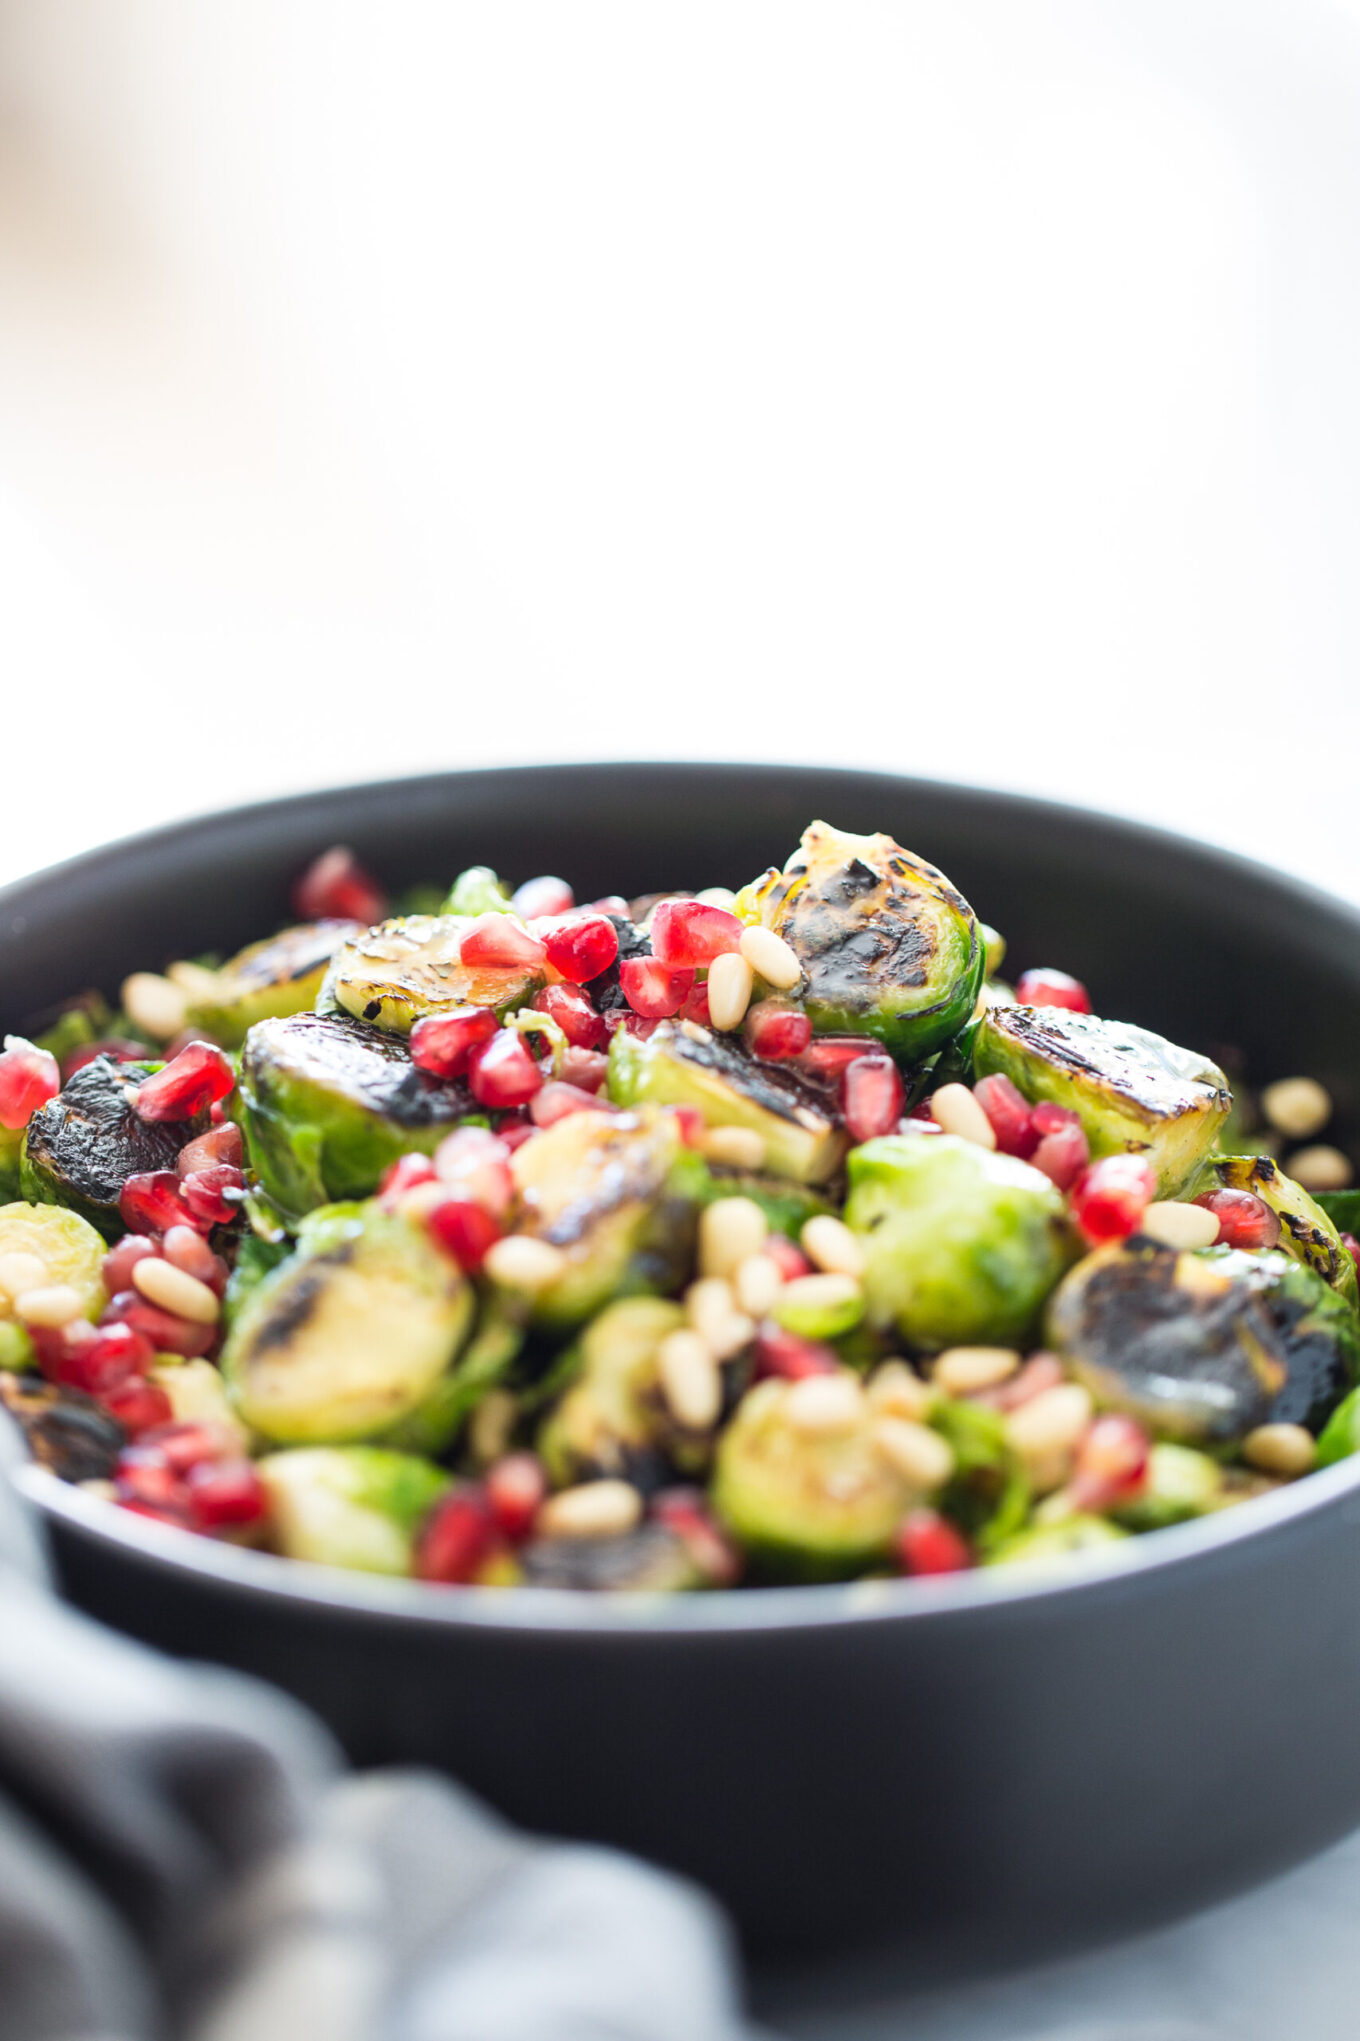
[(966, 388)]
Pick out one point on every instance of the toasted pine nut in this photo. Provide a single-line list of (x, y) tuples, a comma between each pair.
[(920, 1455), (771, 958), (962, 1370), (958, 1112), (20, 1271), (829, 1243), (174, 1291), (729, 1230), (1320, 1169), (824, 1403), (1179, 1225), (730, 979), (709, 1303), (195, 981), (690, 1381), (422, 1198), (757, 1282), (1280, 1449), (520, 1262), (1045, 1432), (54, 1304), (896, 1390), (1298, 1107), (736, 1147), (491, 1424), (155, 1006), (597, 1509)]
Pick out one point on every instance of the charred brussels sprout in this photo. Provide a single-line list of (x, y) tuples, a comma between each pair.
[(888, 947), (488, 1357), (327, 1102), (1306, 1232), (66, 1431), (618, 1193), (351, 1333), (1180, 1484), (356, 1506), (690, 1066), (81, 1148), (1203, 1347), (1132, 1089), (270, 980), (1049, 1544), (393, 974), (70, 1250), (961, 1245), (649, 1560), (613, 1419)]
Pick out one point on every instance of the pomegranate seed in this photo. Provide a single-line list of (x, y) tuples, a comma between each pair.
[(1111, 1464), (685, 1511), (929, 1543), (147, 1478), (613, 904), (496, 942), (153, 1201), (186, 1249), (585, 1068), (214, 1195), (872, 1096), (401, 1176), (571, 1008), (475, 1163), (775, 1032), (225, 1492), (515, 1129), (693, 1126), (177, 1517), (1052, 988), (120, 1261), (117, 1047), (1040, 1372), (542, 897), (787, 1257), (29, 1077), (181, 1445), (515, 1487), (1009, 1115), (224, 1144), (830, 1056), (456, 1537), (557, 1100), (696, 1007), (195, 1079), (1063, 1150), (465, 1230), (103, 1361), (686, 933), (167, 1334), (1244, 1220), (652, 989), (441, 1043), (337, 888), (637, 1025), (138, 1406), (1109, 1198), (784, 1354), (580, 947), (502, 1072), (1352, 1247)]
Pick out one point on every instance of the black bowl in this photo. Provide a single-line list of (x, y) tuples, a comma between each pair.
[(979, 1767)]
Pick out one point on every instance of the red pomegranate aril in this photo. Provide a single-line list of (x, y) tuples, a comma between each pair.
[(1038, 1373), (585, 1068), (219, 1146), (1111, 1463), (693, 1126), (227, 1491), (685, 1512), (475, 1164), (1008, 1113), (465, 1230), (401, 1176), (456, 1538), (177, 1518), (214, 1196), (695, 1007), (571, 1008), (167, 1334), (871, 1096), (558, 1100), (928, 1543), (181, 1444), (638, 1025), (148, 1480), (1352, 1247), (153, 1201), (775, 1032), (138, 1406), (515, 1129), (502, 1072), (496, 942), (542, 896), (612, 904), (195, 1079), (112, 1357), (688, 933), (1052, 988), (1110, 1198), (580, 946), (117, 1047), (123, 1258), (336, 887), (185, 1248), (1244, 1220), (515, 1488), (828, 1057), (441, 1043), (652, 988), (29, 1077), (1063, 1151), (790, 1357), (787, 1257)]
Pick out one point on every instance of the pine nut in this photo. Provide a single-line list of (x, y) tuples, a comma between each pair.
[(709, 1303), (830, 1245), (491, 1425), (757, 1282), (718, 896), (1179, 1225), (690, 1381), (1045, 1432), (896, 1390), (771, 958), (963, 1370), (422, 1198), (920, 1456), (174, 1291), (195, 981), (1280, 1449), (824, 1403), (156, 1007), (1320, 1169), (729, 1230), (735, 1147), (730, 979), (597, 1509), (54, 1304), (519, 1262), (20, 1271), (1298, 1107), (958, 1112)]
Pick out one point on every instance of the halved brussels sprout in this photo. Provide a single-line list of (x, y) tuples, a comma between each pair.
[(270, 979), (393, 974), (961, 1245), (198, 1395), (1180, 1484), (1204, 1347), (652, 1559), (1306, 1232), (360, 1507), (488, 1357), (1047, 1544), (65, 1430), (989, 1492), (351, 1333), (1132, 1089), (476, 891), (888, 947), (327, 1102), (70, 1250), (83, 1145), (619, 1194), (691, 1066), (613, 1419)]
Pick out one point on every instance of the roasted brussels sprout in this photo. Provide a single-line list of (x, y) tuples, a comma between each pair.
[(989, 1492), (1045, 1544), (487, 1358), (1180, 1483), (619, 1194), (327, 1102), (1132, 1089), (392, 974), (69, 1250), (269, 980), (354, 1506), (81, 1148), (652, 1559), (351, 1333), (1340, 1436), (1204, 1347), (65, 1430), (888, 946), (476, 891), (787, 1205), (613, 1419), (1306, 1232), (961, 1245), (687, 1065)]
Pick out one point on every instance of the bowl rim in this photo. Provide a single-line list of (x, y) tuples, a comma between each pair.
[(721, 1613)]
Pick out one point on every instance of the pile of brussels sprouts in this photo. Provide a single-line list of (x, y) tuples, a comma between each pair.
[(747, 1237)]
